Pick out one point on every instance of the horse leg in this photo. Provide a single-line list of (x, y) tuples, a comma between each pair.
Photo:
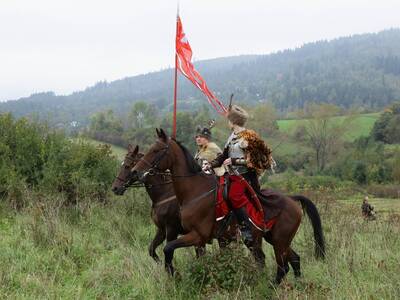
[(158, 239), (172, 233), (281, 257), (281, 237), (228, 236), (200, 251), (256, 249), (294, 260), (282, 260), (187, 240)]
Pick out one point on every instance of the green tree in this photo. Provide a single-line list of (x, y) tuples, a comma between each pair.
[(185, 128), (142, 115), (105, 121), (324, 133), (264, 120), (387, 128)]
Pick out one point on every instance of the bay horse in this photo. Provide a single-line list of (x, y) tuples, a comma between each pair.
[(164, 209), (196, 195)]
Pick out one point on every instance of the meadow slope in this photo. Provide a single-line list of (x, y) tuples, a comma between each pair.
[(100, 251)]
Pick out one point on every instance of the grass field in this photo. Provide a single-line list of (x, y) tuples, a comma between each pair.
[(96, 251), (119, 152), (361, 125), (382, 206)]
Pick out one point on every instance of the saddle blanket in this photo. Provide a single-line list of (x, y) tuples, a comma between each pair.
[(256, 217)]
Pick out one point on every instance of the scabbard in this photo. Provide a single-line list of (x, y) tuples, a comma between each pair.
[(253, 195)]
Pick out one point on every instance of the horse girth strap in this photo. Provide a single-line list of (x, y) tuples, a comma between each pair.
[(169, 199), (204, 195)]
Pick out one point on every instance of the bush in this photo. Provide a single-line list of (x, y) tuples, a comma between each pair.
[(360, 173), (387, 128), (36, 157), (79, 170), (225, 269)]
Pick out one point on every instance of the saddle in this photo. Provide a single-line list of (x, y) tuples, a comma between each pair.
[(263, 219), (272, 202)]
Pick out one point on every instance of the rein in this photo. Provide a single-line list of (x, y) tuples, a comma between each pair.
[(153, 170), (153, 167)]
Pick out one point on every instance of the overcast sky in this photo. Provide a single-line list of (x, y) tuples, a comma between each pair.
[(67, 45)]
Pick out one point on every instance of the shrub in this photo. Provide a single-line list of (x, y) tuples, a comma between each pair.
[(36, 157), (79, 170), (387, 127), (225, 269), (360, 173)]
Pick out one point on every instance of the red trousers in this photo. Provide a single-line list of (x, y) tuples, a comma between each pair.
[(237, 192)]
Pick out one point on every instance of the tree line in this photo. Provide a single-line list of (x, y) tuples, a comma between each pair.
[(319, 139), (358, 71)]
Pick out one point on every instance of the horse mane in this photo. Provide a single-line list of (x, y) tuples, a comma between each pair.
[(192, 164)]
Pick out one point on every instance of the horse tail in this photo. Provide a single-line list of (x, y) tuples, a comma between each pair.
[(313, 215)]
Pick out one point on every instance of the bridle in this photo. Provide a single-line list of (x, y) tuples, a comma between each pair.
[(153, 170), (153, 167)]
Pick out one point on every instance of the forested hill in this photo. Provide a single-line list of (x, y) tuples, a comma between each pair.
[(361, 70)]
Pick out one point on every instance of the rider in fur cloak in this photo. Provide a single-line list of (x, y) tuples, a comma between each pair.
[(245, 153)]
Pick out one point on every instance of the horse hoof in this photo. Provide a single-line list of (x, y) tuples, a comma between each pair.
[(170, 270), (156, 259), (177, 276)]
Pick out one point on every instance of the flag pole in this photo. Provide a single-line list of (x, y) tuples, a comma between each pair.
[(176, 78)]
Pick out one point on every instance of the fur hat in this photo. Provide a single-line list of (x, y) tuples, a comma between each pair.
[(203, 132), (237, 115)]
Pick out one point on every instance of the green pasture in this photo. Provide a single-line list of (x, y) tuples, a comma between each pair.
[(360, 125), (382, 206), (99, 251), (118, 151)]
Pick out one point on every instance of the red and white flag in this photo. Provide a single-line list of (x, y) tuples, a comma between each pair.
[(185, 66)]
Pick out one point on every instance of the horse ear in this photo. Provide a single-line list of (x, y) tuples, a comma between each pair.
[(158, 132), (163, 135), (136, 150), (130, 148)]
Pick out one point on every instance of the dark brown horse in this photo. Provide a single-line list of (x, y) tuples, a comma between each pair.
[(196, 192), (164, 208)]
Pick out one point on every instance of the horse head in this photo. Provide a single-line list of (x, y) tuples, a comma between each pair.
[(124, 177), (157, 159)]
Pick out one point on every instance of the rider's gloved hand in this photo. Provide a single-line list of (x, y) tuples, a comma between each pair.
[(206, 167)]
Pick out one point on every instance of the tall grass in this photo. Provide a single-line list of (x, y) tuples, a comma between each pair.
[(95, 250)]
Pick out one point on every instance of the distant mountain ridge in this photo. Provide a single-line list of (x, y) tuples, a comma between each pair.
[(360, 70)]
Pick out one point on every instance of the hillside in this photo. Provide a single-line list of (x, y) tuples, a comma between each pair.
[(360, 126), (358, 71)]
